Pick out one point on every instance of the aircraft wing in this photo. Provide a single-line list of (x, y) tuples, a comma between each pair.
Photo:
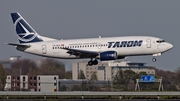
[(21, 45), (81, 53)]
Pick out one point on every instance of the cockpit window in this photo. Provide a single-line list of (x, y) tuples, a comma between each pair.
[(160, 41)]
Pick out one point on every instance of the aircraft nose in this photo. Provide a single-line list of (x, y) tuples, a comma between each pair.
[(169, 46)]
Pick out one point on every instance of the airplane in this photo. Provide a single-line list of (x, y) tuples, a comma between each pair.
[(104, 49)]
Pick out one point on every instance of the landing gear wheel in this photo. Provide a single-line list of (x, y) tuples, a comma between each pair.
[(90, 63), (95, 62), (154, 59)]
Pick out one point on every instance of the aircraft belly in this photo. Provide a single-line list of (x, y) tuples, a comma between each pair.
[(62, 54), (130, 51)]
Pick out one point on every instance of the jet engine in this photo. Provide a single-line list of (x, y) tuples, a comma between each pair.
[(108, 55)]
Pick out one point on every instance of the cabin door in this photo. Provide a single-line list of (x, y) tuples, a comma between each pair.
[(148, 43), (44, 49)]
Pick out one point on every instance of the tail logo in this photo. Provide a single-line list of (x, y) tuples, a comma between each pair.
[(24, 32)]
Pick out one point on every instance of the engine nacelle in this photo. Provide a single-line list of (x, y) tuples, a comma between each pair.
[(109, 55)]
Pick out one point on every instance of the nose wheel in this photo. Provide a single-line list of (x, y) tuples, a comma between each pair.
[(91, 62), (154, 59)]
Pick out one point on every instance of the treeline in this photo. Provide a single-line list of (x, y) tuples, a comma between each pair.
[(126, 81), (46, 67), (2, 78)]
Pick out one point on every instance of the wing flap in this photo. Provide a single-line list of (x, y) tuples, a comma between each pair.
[(81, 53)]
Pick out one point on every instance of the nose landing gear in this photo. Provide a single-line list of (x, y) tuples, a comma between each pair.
[(154, 55), (91, 62)]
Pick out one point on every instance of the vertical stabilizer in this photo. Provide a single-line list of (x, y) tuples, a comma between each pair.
[(25, 33)]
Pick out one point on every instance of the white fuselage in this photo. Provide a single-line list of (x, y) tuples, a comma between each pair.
[(149, 46)]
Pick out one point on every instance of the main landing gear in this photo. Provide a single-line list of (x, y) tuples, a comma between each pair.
[(91, 62), (154, 59)]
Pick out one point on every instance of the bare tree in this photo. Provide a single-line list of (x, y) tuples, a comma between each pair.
[(2, 78), (52, 67), (81, 75), (22, 67), (94, 76), (68, 75)]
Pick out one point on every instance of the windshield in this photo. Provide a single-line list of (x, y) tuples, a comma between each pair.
[(160, 41)]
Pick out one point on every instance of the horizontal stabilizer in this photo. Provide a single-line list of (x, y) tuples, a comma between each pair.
[(16, 44)]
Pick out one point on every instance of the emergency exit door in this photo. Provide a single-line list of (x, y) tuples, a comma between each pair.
[(148, 43), (99, 45)]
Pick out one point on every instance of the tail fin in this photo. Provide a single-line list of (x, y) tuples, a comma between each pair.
[(25, 33)]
